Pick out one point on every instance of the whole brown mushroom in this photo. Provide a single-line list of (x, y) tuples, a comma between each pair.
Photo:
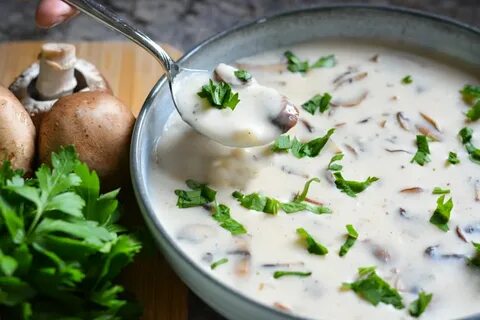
[(57, 73), (17, 132), (98, 125)]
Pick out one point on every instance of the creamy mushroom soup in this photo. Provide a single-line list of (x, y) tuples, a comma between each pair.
[(385, 227)]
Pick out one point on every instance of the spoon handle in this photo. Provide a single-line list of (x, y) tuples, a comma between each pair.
[(105, 15)]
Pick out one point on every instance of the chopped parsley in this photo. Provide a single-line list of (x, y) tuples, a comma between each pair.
[(279, 274), (471, 93), (313, 246), (221, 214), (352, 236), (441, 215), (219, 95), (453, 158), (335, 166), (301, 197), (200, 195), (243, 75), (374, 289), (407, 80), (418, 306), (422, 155), (261, 203), (352, 188), (438, 190), (473, 113), (218, 263), (475, 261), (294, 64), (299, 149), (318, 102), (466, 134)]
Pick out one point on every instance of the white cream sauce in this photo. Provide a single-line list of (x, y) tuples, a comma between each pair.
[(393, 242), (259, 118)]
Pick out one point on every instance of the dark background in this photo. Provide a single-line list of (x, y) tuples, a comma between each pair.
[(184, 23)]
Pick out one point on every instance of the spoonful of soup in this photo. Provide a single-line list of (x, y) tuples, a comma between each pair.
[(228, 105)]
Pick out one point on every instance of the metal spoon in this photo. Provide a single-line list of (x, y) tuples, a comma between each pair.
[(286, 118)]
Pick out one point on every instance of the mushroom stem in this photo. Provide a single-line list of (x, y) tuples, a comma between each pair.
[(57, 71)]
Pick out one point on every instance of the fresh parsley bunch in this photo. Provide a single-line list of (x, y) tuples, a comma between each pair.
[(60, 248)]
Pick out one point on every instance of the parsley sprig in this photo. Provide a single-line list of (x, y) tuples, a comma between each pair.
[(466, 134), (350, 187), (441, 215), (243, 75), (202, 195), (318, 102), (374, 289), (471, 95), (418, 306), (279, 274), (313, 246), (219, 95), (352, 236), (294, 64), (258, 202), (422, 155), (60, 246), (299, 149)]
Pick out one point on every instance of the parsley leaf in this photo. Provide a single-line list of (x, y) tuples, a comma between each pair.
[(418, 306), (438, 190), (374, 289), (221, 213), (301, 197), (322, 103), (299, 149), (218, 263), (243, 75), (466, 134), (352, 236), (352, 188), (335, 166), (325, 62), (261, 203), (60, 247), (441, 215), (475, 261), (407, 80), (313, 246), (453, 158), (423, 153), (219, 95), (199, 195), (294, 64), (279, 274), (473, 113), (470, 93)]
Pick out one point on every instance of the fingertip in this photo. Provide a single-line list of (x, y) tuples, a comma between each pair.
[(52, 12)]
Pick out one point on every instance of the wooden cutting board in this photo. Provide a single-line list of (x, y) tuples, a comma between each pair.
[(131, 73)]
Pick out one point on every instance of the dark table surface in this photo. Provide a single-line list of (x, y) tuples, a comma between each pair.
[(185, 23)]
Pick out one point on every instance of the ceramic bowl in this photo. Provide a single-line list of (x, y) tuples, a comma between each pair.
[(359, 22)]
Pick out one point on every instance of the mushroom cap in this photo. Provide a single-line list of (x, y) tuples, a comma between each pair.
[(100, 128), (17, 132), (23, 87)]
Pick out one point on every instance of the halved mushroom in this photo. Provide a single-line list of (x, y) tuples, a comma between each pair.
[(57, 73)]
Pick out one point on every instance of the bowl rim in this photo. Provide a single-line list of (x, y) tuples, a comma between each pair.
[(139, 181)]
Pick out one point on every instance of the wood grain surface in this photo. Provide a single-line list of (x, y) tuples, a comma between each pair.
[(131, 73)]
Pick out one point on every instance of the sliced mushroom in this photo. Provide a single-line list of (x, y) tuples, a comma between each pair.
[(351, 103), (288, 116), (243, 260), (476, 188), (307, 125), (430, 121), (196, 233), (357, 77), (403, 121), (412, 190), (57, 73), (283, 264), (434, 253), (460, 234), (429, 132)]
